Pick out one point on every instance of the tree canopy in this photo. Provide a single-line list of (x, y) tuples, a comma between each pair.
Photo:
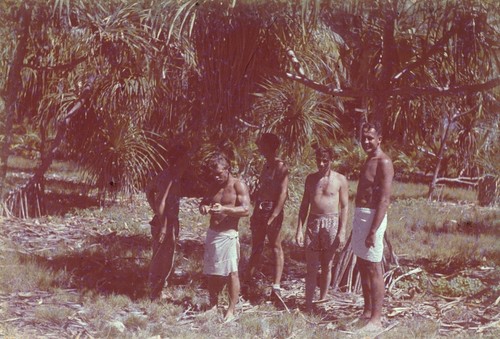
[(216, 74)]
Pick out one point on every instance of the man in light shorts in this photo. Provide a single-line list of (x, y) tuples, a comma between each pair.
[(325, 194), (227, 200), (369, 224)]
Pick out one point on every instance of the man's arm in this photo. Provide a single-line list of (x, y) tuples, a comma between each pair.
[(151, 192), (160, 187), (205, 206), (242, 208), (163, 201), (283, 174), (303, 211), (385, 181), (157, 192), (344, 205), (162, 210)]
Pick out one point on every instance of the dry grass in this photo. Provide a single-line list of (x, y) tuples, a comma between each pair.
[(448, 233), (107, 280), (21, 273), (54, 315)]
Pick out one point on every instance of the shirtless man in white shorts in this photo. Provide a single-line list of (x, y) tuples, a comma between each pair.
[(370, 221), (227, 200)]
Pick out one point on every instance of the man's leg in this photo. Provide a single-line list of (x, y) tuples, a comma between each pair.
[(327, 238), (326, 273), (366, 287), (162, 263), (258, 240), (215, 286), (234, 293), (279, 259), (312, 260), (375, 289)]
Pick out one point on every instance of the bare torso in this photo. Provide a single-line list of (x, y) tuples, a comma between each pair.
[(226, 196), (324, 193), (370, 182), (270, 181), (158, 187)]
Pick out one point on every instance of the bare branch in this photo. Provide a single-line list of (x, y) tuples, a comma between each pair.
[(434, 49), (62, 67), (444, 91), (407, 91), (349, 93), (247, 124), (461, 180)]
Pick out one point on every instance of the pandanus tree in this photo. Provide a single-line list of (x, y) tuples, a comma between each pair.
[(214, 72), (158, 70), (397, 61), (99, 122), (401, 57)]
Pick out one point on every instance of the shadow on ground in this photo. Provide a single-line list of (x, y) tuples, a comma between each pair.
[(119, 264)]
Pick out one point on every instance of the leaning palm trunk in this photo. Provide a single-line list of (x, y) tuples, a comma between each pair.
[(28, 200), (14, 83), (345, 275)]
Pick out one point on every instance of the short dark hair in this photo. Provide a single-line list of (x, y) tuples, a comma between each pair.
[(216, 158), (375, 125), (322, 151), (271, 140)]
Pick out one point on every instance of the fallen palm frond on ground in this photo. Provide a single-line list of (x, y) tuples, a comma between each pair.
[(84, 276)]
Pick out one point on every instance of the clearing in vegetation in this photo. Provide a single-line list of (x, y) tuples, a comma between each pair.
[(83, 272)]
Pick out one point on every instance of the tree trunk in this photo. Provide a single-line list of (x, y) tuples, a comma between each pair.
[(488, 191), (13, 85), (387, 63), (28, 200), (442, 147)]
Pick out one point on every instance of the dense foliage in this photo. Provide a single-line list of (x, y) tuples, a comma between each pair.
[(214, 75)]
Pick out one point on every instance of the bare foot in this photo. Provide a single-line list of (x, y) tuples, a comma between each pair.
[(360, 322), (371, 329), (229, 317), (365, 315)]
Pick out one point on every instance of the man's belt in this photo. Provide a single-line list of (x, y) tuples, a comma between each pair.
[(265, 205)]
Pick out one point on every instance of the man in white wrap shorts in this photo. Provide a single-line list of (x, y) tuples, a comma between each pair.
[(363, 219), (227, 200), (369, 224), (222, 252)]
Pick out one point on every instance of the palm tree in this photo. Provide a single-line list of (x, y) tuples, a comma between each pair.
[(403, 50), (109, 43), (158, 76)]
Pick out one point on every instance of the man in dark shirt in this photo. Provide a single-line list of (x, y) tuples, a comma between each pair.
[(163, 196)]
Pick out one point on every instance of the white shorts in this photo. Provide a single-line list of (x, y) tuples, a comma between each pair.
[(222, 252), (361, 224)]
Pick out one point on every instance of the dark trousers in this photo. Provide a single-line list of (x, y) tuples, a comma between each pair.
[(162, 261)]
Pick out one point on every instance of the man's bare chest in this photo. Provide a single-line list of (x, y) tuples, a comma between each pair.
[(325, 187), (225, 197), (369, 170)]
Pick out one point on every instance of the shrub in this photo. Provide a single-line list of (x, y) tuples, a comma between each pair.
[(459, 286)]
